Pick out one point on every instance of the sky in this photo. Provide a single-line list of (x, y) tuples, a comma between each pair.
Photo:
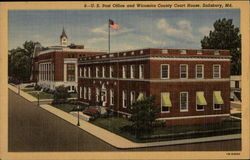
[(138, 28)]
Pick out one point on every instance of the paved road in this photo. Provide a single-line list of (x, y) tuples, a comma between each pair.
[(33, 129)]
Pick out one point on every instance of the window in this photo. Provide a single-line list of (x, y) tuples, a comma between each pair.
[(70, 67), (199, 52), (124, 71), (183, 51), (132, 71), (184, 101), (84, 92), (216, 52), (165, 102), (237, 84), (141, 51), (199, 71), (200, 101), (132, 97), (124, 99), (97, 72), (103, 71), (89, 72), (183, 71), (112, 98), (141, 71), (164, 51), (84, 72), (111, 71), (132, 53), (217, 100), (80, 92), (164, 71), (71, 77), (216, 71), (97, 94), (89, 93)]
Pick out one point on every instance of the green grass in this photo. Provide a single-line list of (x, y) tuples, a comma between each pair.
[(28, 89), (65, 107), (228, 126), (73, 95), (42, 95)]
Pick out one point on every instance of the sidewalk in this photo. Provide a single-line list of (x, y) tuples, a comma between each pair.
[(118, 141)]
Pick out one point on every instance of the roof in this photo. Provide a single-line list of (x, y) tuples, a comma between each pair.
[(63, 34)]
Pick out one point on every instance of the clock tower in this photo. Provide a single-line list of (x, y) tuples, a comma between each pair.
[(63, 39)]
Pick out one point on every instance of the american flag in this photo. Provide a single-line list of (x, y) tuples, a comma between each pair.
[(113, 25)]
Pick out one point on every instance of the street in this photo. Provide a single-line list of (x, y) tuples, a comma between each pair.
[(32, 128)]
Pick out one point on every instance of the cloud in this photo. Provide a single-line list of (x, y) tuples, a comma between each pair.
[(205, 30), (104, 30), (182, 31), (152, 41), (96, 40)]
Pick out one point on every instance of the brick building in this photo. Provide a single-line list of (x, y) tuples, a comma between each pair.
[(57, 65), (191, 86)]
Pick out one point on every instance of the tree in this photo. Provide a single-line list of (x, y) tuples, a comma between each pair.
[(225, 36), (143, 114), (20, 61), (61, 93)]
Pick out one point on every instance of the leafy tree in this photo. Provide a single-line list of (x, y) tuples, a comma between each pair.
[(225, 36), (61, 93), (143, 114), (20, 61)]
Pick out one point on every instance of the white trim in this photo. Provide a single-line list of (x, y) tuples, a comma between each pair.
[(168, 71), (201, 69), (80, 92), (163, 80), (186, 71), (186, 110), (89, 93), (103, 71), (149, 57), (124, 97), (189, 117), (132, 72), (111, 95), (213, 101), (124, 71), (84, 92), (196, 101), (161, 103), (219, 70), (131, 97), (110, 73), (141, 71)]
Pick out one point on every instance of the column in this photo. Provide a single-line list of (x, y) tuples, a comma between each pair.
[(65, 72), (76, 71)]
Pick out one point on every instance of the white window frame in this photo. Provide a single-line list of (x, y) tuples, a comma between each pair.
[(84, 93), (111, 71), (124, 71), (132, 97), (184, 110), (186, 71), (103, 71), (164, 51), (161, 103), (141, 71), (168, 71), (202, 71), (80, 71), (97, 72), (213, 102), (124, 97), (111, 97), (196, 100), (89, 93), (132, 71), (141, 51), (219, 70), (183, 51)]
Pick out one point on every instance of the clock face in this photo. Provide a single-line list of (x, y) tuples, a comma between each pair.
[(64, 39)]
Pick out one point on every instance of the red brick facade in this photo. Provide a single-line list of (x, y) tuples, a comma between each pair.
[(153, 83)]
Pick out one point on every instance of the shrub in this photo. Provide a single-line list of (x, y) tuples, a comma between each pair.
[(29, 86), (61, 93)]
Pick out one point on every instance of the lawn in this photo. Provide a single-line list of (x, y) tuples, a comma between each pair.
[(65, 107), (28, 89), (42, 95), (228, 126), (73, 95)]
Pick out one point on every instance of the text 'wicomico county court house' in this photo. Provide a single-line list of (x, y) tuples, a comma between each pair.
[(191, 86)]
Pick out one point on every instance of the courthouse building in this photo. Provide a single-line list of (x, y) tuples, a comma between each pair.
[(191, 86), (57, 65)]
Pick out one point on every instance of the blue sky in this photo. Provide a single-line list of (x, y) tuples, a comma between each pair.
[(138, 28)]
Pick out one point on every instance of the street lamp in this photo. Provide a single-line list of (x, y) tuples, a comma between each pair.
[(78, 108)]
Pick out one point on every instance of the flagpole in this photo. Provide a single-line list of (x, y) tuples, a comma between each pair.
[(109, 37)]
